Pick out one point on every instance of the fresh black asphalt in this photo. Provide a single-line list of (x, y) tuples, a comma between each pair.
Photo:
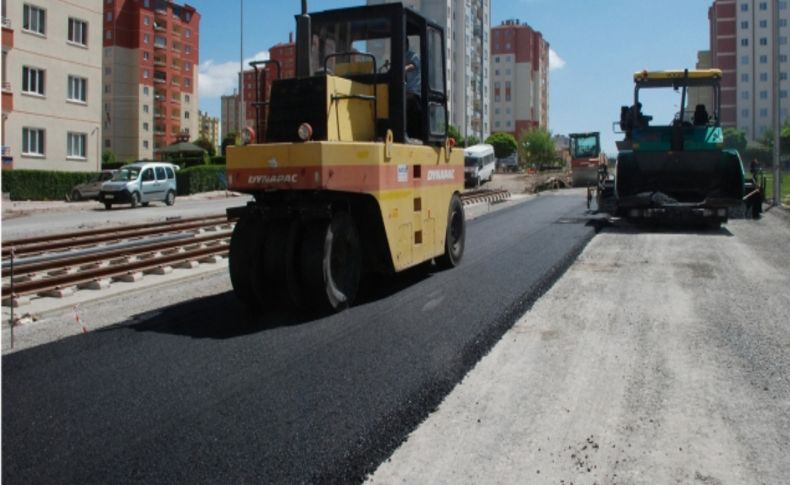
[(194, 393)]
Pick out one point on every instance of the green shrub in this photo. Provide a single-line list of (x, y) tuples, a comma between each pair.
[(201, 178), (41, 184), (218, 160)]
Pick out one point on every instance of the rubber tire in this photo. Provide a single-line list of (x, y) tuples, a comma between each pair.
[(146, 204), (455, 236), (135, 200), (331, 263), (271, 269), (170, 198), (108, 205), (243, 254), (76, 196)]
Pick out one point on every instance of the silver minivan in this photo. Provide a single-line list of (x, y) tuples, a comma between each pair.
[(141, 183)]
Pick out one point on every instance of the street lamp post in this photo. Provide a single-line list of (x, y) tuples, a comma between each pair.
[(241, 67), (777, 102)]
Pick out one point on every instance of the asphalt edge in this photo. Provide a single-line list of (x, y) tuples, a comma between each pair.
[(394, 429)]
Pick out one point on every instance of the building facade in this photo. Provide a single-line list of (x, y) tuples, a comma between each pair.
[(150, 78), (467, 28), (520, 80), (744, 48), (209, 128), (52, 85), (229, 115)]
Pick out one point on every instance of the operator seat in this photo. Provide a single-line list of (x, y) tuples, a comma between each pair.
[(700, 115)]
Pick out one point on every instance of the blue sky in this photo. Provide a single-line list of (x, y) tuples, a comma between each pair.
[(598, 44)]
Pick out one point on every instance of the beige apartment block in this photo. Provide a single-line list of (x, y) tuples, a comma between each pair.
[(52, 61), (209, 128)]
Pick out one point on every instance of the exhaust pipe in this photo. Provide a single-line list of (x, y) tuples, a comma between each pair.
[(303, 43)]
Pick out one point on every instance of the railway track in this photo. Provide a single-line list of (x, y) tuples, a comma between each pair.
[(57, 265)]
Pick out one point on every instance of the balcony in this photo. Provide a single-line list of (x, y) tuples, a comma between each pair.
[(8, 97), (160, 61), (8, 34)]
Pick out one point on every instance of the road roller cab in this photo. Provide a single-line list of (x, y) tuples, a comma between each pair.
[(350, 166)]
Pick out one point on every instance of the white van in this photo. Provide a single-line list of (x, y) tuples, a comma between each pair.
[(140, 183), (479, 165)]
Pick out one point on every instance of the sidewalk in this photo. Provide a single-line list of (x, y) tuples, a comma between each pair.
[(21, 208)]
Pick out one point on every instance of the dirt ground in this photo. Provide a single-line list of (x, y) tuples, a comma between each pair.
[(522, 183)]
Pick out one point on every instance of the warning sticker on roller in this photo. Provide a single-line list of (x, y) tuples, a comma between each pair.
[(403, 173)]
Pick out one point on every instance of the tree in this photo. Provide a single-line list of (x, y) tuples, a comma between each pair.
[(735, 138), (504, 144), (536, 147), (206, 144), (472, 140), (453, 132), (229, 139), (108, 156)]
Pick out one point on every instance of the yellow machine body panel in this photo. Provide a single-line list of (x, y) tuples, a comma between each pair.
[(677, 74), (412, 184)]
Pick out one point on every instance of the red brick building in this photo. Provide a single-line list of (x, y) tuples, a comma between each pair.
[(519, 81), (150, 92), (722, 16)]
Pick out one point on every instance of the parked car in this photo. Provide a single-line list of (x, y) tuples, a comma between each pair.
[(140, 183), (90, 189)]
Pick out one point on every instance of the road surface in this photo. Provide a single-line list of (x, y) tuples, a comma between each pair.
[(193, 393)]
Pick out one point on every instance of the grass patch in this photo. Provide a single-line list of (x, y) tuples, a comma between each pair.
[(785, 188)]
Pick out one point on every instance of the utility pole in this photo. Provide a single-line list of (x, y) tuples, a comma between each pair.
[(241, 68), (777, 102), (482, 65)]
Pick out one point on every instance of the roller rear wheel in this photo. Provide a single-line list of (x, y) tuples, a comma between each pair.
[(243, 256), (455, 238), (331, 263)]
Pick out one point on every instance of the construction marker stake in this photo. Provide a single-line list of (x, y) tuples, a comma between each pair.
[(78, 318)]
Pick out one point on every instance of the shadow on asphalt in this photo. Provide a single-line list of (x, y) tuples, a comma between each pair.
[(223, 316)]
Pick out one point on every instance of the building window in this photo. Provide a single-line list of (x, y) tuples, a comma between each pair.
[(763, 94), (145, 55), (744, 42), (75, 145), (763, 76), (107, 143), (782, 4), (744, 7), (782, 93), (763, 59), (763, 5), (109, 17), (145, 73), (744, 59), (782, 22), (782, 40), (763, 40), (146, 20), (34, 19), (32, 80), (107, 88), (146, 38), (744, 94), (187, 82), (782, 58), (496, 59), (186, 98), (145, 144), (764, 112), (78, 31), (745, 113), (744, 78), (33, 141), (145, 126), (108, 34), (782, 76), (77, 91), (745, 24), (186, 115), (145, 108), (145, 90), (187, 33)]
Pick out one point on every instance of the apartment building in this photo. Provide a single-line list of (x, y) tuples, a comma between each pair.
[(467, 28), (701, 95), (520, 79), (52, 84), (229, 113), (209, 128), (150, 78), (744, 47)]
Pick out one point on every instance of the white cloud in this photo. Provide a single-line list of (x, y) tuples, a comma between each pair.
[(555, 61), (217, 79)]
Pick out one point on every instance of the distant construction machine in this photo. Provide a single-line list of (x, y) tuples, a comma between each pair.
[(355, 173), (586, 158), (677, 171)]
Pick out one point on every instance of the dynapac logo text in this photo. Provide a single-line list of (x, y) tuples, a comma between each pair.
[(441, 174), (273, 179)]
